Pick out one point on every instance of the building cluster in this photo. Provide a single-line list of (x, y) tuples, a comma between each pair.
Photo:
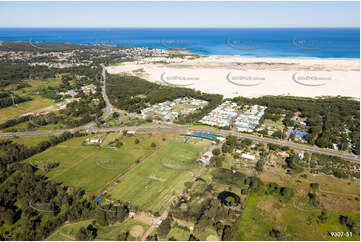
[(227, 114), (86, 55), (222, 116), (170, 110), (248, 120)]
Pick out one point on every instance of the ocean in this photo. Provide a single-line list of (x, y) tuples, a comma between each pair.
[(286, 42)]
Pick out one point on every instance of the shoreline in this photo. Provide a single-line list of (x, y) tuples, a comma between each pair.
[(190, 52)]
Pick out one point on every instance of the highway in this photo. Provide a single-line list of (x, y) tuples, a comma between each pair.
[(109, 108), (185, 128)]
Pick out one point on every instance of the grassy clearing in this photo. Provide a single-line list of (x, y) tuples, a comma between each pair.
[(264, 213), (13, 112), (79, 164), (30, 141), (68, 231), (179, 234), (208, 235), (140, 188), (111, 232)]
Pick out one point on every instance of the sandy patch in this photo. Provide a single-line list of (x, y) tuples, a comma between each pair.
[(137, 231), (157, 178), (252, 77), (212, 238)]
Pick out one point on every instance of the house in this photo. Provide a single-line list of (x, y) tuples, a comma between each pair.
[(94, 141), (248, 156), (283, 154), (299, 133), (206, 157)]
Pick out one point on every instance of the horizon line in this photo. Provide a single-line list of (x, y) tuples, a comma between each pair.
[(79, 27)]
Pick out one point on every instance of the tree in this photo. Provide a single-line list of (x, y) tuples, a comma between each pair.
[(287, 193), (323, 216), (259, 165), (165, 227), (153, 145), (216, 152), (136, 141)]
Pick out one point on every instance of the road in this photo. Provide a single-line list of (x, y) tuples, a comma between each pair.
[(312, 149), (109, 108), (155, 224)]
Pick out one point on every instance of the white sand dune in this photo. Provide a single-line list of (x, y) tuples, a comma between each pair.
[(253, 77)]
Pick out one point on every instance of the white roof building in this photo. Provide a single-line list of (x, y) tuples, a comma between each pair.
[(248, 156)]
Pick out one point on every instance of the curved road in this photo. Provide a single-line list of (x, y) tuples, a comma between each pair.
[(312, 149)]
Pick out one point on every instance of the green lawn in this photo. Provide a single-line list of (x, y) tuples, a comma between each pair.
[(68, 231), (154, 182), (78, 163), (178, 234), (13, 112)]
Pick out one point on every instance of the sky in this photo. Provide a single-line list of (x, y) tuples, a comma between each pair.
[(180, 14)]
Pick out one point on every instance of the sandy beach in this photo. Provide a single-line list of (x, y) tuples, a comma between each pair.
[(234, 76)]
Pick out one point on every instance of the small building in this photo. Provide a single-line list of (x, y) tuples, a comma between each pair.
[(283, 154), (248, 156), (94, 141), (206, 157)]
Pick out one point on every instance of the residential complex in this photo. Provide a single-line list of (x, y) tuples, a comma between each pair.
[(171, 110), (222, 116), (248, 120)]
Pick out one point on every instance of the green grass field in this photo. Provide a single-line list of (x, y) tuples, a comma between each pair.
[(30, 140), (68, 231), (13, 112), (178, 234), (151, 183), (79, 164), (264, 213)]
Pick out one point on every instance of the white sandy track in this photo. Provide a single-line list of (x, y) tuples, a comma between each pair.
[(209, 74)]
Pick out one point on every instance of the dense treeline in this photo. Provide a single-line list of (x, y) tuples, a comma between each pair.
[(51, 47), (15, 73), (14, 152), (133, 94), (328, 119), (7, 99), (23, 195)]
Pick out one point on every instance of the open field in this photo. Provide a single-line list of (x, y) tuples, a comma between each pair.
[(30, 141), (209, 74), (68, 231), (178, 234), (79, 164), (37, 103), (13, 112), (264, 213), (154, 182)]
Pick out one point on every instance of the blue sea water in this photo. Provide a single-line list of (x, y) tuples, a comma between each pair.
[(295, 42)]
